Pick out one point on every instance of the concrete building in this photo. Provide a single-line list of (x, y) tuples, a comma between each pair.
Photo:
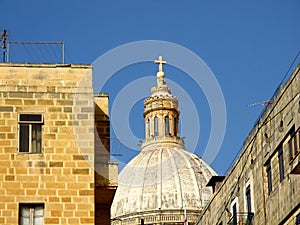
[(263, 185), (164, 180), (50, 149)]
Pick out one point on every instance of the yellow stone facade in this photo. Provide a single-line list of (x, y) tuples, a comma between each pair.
[(263, 185), (47, 160)]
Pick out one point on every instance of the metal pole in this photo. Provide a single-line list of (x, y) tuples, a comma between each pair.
[(63, 52), (3, 40), (7, 56)]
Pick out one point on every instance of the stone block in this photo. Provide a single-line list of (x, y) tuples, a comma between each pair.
[(81, 214), (81, 171), (13, 102), (9, 178), (20, 95), (87, 220), (14, 192), (54, 199), (6, 108), (51, 220), (56, 164), (66, 199), (56, 213), (46, 102), (86, 192)]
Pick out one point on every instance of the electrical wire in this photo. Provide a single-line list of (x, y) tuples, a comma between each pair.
[(33, 50), (67, 53), (53, 51), (37, 53), (27, 51), (259, 117), (42, 54), (287, 72)]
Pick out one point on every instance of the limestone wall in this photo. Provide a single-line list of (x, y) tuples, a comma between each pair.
[(61, 177), (278, 126)]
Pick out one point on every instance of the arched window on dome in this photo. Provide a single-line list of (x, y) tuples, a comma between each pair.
[(175, 126), (148, 128), (155, 126), (167, 126)]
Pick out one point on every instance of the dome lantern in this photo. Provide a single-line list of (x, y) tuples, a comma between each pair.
[(161, 111)]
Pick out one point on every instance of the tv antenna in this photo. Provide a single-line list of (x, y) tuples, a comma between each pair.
[(3, 37), (264, 103)]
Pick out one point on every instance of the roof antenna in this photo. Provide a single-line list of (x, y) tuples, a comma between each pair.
[(264, 103), (3, 37)]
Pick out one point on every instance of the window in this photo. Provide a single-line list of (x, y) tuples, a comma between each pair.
[(31, 214), (167, 126), (30, 133), (281, 163), (298, 140), (234, 214), (175, 126), (155, 126), (148, 127), (290, 149), (298, 219), (269, 176), (294, 143), (248, 198)]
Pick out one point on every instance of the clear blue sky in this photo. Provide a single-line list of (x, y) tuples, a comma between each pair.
[(249, 45)]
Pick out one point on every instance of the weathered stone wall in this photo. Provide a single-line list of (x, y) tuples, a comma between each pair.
[(62, 176), (272, 131), (106, 172)]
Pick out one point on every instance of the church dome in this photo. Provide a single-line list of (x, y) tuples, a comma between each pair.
[(164, 179)]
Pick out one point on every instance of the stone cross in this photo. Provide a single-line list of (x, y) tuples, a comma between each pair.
[(160, 62)]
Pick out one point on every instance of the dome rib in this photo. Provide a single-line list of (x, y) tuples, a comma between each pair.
[(145, 172), (130, 189), (174, 165), (159, 179), (192, 172), (199, 184)]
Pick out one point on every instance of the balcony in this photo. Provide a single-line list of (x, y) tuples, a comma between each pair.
[(242, 219)]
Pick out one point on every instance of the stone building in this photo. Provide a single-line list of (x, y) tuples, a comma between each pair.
[(164, 180), (54, 135), (263, 185)]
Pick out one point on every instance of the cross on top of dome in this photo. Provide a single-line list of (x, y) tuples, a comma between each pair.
[(160, 74), (160, 62)]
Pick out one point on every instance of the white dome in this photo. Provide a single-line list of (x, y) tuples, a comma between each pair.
[(163, 176)]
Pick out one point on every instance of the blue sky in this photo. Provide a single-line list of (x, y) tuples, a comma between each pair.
[(248, 45)]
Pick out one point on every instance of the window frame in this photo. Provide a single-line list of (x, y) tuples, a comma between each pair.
[(156, 127), (175, 126), (148, 127), (294, 144), (234, 209), (248, 198), (33, 126), (234, 213), (32, 209), (167, 125), (281, 163), (269, 177)]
